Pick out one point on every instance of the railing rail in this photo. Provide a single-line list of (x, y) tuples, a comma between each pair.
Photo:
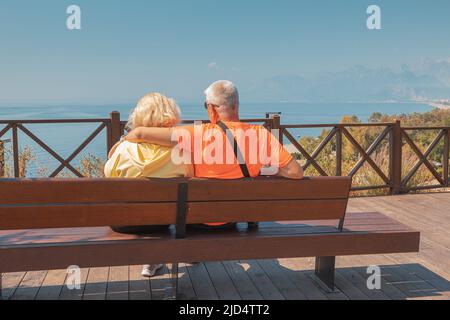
[(392, 134)]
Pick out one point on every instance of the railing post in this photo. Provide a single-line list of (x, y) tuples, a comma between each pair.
[(276, 125), (339, 152), (445, 157), (16, 155), (395, 158), (114, 129)]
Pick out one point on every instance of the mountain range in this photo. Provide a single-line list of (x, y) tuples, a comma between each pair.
[(427, 80)]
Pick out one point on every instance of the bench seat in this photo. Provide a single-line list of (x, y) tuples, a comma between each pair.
[(364, 233)]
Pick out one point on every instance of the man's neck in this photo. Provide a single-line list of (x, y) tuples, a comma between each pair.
[(233, 118)]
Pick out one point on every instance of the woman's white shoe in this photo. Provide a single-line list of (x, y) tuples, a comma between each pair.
[(150, 270)]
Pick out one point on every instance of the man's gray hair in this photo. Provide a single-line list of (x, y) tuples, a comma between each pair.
[(222, 93)]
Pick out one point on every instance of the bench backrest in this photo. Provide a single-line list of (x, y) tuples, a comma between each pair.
[(72, 203)]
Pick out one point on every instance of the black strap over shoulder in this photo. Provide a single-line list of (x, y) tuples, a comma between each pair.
[(237, 150)]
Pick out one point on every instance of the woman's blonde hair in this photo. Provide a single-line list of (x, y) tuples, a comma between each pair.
[(154, 110)]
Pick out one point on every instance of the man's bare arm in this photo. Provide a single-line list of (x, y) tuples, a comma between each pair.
[(292, 171), (160, 136)]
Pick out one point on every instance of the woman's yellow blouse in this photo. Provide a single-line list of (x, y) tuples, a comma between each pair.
[(144, 160)]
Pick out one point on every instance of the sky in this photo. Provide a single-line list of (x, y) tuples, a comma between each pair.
[(127, 48)]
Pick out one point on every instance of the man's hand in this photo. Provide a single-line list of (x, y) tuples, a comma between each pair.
[(160, 136), (292, 171)]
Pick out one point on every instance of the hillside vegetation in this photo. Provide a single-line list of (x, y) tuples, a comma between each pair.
[(365, 136)]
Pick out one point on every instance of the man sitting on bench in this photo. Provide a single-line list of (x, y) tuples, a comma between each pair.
[(264, 154)]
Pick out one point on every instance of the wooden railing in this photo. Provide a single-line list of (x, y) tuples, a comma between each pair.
[(396, 137), (443, 179), (21, 125), (393, 135)]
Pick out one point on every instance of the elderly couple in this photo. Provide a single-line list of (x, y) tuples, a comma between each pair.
[(149, 150)]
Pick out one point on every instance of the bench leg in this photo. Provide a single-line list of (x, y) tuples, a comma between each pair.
[(325, 269), (172, 292)]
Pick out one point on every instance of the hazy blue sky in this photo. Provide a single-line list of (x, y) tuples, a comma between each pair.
[(126, 48)]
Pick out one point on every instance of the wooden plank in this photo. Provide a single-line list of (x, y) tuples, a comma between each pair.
[(257, 211), (246, 287), (118, 280), (201, 248), (352, 292), (201, 282), (418, 266), (139, 286), (414, 287), (301, 278), (354, 223), (222, 283), (185, 287), (40, 237), (32, 191), (68, 235), (161, 285), (415, 206), (75, 294), (52, 286), (320, 230), (269, 188), (10, 282), (92, 215), (29, 286), (435, 253), (284, 285), (27, 191), (97, 215), (96, 284), (401, 213), (262, 282)]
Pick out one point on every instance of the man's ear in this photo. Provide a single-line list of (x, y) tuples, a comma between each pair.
[(212, 114)]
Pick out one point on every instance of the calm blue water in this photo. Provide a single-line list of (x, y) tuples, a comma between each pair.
[(64, 139)]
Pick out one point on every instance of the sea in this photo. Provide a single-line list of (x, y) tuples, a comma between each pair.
[(65, 138)]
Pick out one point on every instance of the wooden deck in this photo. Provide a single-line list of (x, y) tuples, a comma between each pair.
[(404, 276)]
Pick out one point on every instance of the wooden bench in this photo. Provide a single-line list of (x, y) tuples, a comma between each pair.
[(52, 224)]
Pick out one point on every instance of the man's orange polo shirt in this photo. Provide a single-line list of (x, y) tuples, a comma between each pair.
[(258, 145)]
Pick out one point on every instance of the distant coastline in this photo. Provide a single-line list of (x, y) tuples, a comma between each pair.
[(440, 104)]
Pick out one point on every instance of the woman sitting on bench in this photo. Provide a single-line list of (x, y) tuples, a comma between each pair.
[(147, 160)]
